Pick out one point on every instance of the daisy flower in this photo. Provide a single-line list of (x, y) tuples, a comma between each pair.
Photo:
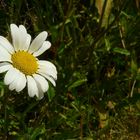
[(23, 68)]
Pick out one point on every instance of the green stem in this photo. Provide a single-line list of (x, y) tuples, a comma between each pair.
[(5, 114)]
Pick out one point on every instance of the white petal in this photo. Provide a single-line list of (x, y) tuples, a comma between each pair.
[(48, 68), (15, 36), (32, 87), (47, 64), (48, 72), (40, 91), (27, 42), (4, 55), (46, 45), (38, 41), (5, 67), (21, 83), (22, 29), (23, 37), (42, 82), (10, 76), (48, 78), (13, 85), (40, 94), (6, 44)]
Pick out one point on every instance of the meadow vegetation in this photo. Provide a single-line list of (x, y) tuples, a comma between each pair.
[(96, 49)]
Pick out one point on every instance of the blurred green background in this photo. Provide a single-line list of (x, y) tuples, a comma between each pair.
[(95, 47)]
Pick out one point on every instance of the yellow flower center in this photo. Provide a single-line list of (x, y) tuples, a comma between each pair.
[(25, 62)]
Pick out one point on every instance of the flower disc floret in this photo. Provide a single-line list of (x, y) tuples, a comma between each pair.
[(25, 62)]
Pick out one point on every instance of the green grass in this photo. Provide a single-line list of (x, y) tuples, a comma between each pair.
[(97, 96)]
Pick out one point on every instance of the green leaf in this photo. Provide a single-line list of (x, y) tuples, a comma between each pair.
[(107, 44), (38, 131), (51, 93), (134, 67), (77, 83), (121, 51)]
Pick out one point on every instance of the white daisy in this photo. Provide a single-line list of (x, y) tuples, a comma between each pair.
[(19, 61)]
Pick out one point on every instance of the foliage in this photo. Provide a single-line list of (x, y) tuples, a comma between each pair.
[(95, 46)]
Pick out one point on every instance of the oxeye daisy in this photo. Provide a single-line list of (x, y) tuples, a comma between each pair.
[(19, 60)]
